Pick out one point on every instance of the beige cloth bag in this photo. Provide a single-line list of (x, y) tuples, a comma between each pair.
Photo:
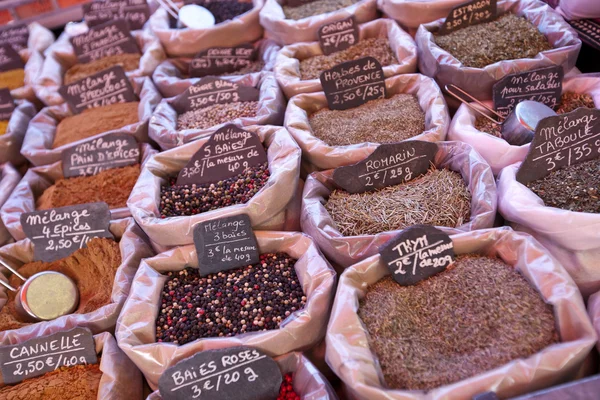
[(349, 356), (9, 178), (301, 330), (412, 13), (12, 140), (323, 156)]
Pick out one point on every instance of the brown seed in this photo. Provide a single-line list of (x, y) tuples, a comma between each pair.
[(216, 114)]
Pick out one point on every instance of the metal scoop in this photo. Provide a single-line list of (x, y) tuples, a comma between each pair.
[(189, 16), (44, 296), (519, 127)]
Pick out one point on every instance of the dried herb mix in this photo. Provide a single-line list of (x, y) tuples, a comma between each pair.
[(379, 48), (440, 197), (315, 8), (250, 299), (216, 114), (509, 37), (477, 315), (380, 121)]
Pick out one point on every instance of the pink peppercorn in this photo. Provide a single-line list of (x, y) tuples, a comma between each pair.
[(286, 392)]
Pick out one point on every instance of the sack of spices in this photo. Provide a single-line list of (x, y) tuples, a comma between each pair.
[(459, 195), (156, 332), (12, 132), (172, 76), (62, 67), (56, 129), (412, 13), (504, 316), (415, 109), (170, 129), (299, 65), (301, 380), (263, 192), (46, 187), (527, 34), (289, 22), (114, 377), (9, 178)]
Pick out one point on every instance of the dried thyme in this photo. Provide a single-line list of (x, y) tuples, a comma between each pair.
[(315, 8)]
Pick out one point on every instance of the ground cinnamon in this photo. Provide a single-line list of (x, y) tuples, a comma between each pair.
[(94, 121), (129, 62), (13, 79), (112, 186), (3, 126)]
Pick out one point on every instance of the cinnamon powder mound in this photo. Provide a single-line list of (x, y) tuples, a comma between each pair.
[(13, 79), (92, 269), (129, 62), (112, 186), (94, 121), (80, 382)]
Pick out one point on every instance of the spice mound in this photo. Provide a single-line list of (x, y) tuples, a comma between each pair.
[(92, 269), (93, 121), (216, 114), (3, 126), (477, 315), (380, 121), (509, 37), (80, 382), (573, 188), (286, 391), (378, 48), (250, 299), (315, 8), (195, 199), (13, 79), (129, 62), (223, 10), (440, 198), (112, 186)]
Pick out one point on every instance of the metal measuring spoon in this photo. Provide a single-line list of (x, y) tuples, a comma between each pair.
[(195, 17)]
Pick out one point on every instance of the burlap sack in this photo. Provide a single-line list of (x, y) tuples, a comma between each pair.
[(289, 31), (301, 330), (61, 56), (284, 165), (308, 382), (572, 237), (171, 76), (9, 178), (287, 66), (12, 140), (134, 247), (120, 378), (446, 69), (36, 180), (496, 151), (323, 156), (412, 13), (579, 9), (37, 146), (349, 356), (271, 109), (343, 251)]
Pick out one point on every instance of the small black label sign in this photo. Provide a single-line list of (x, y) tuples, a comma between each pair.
[(109, 39), (222, 60), (240, 373), (470, 13), (225, 243), (114, 150), (9, 58), (542, 85), (353, 83), (417, 253), (104, 88), (58, 232), (135, 12), (16, 35), (7, 104), (561, 141), (389, 164), (227, 153), (39, 356), (339, 35), (209, 91)]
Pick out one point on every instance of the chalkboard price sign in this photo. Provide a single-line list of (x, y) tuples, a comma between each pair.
[(103, 88), (339, 35), (560, 141), (109, 39), (227, 153), (135, 12), (543, 85), (389, 164), (225, 243), (9, 58), (56, 233), (7, 104), (470, 13), (240, 373), (45, 354), (353, 83), (417, 253), (222, 60), (16, 35)]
